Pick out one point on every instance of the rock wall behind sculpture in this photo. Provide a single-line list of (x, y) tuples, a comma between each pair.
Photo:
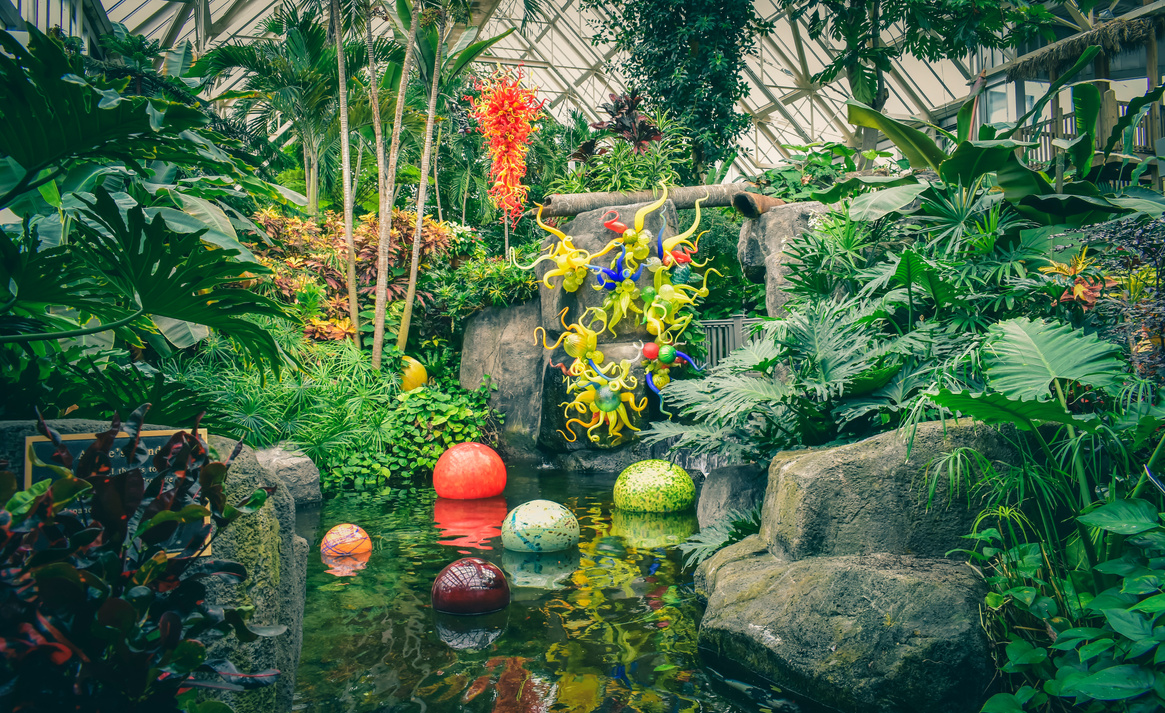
[(761, 248)]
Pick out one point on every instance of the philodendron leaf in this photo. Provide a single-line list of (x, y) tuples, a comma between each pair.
[(996, 408), (1124, 517), (878, 204), (1025, 356), (1112, 684)]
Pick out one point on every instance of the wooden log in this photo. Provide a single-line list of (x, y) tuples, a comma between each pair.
[(571, 204)]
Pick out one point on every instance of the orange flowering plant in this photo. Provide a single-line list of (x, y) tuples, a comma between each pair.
[(505, 114)]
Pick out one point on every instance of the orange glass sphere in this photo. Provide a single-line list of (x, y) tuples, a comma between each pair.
[(344, 540), (469, 471)]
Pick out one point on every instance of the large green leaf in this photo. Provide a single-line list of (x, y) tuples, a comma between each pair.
[(994, 408), (878, 204), (54, 118), (1054, 88), (1018, 181), (1025, 356), (842, 189), (458, 61), (974, 159), (1116, 683), (178, 59), (918, 148), (1086, 102), (914, 269), (1124, 517), (1135, 111)]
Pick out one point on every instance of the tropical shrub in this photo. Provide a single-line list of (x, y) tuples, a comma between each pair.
[(628, 159), (103, 582), (477, 282), (810, 169), (306, 255), (1068, 531), (338, 409)]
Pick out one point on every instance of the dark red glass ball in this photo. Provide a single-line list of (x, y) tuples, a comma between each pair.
[(470, 586)]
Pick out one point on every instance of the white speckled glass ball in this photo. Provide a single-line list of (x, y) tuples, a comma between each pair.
[(539, 526)]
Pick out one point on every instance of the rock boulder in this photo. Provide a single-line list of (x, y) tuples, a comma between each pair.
[(499, 342), (761, 248), (734, 487), (869, 497), (878, 633), (296, 472)]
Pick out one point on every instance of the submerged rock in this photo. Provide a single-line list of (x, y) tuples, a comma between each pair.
[(880, 633)]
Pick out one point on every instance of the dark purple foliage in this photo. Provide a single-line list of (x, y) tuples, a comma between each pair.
[(102, 584)]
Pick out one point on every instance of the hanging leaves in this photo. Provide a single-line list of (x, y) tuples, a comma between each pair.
[(505, 114)]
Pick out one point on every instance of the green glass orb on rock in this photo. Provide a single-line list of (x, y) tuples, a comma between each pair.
[(654, 486)]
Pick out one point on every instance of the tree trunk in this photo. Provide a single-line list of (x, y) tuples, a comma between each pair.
[(346, 168), (307, 177), (422, 193), (384, 216), (387, 194), (870, 134), (436, 185), (569, 204)]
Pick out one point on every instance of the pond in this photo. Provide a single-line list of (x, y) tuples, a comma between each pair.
[(610, 626)]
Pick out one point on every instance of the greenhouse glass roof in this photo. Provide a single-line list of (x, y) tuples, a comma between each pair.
[(785, 105)]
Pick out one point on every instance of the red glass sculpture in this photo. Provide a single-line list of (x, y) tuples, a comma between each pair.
[(470, 586), (468, 471)]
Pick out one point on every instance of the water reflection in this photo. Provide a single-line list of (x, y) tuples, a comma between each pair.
[(469, 522), (470, 632), (610, 626), (542, 570)]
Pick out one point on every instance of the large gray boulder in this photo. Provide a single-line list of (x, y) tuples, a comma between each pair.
[(871, 496), (296, 472), (877, 633), (499, 342), (734, 487), (589, 233), (762, 244)]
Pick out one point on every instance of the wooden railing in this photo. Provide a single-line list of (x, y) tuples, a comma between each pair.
[(1044, 132), (722, 336)]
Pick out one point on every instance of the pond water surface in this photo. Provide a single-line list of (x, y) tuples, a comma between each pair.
[(610, 626)]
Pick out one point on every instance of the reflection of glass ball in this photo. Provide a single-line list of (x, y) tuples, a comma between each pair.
[(471, 632), (469, 523), (540, 526), (541, 570), (470, 586), (345, 539), (647, 530), (345, 565)]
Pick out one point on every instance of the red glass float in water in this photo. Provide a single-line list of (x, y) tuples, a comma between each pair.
[(346, 539), (346, 565), (470, 586), (468, 471), (470, 523)]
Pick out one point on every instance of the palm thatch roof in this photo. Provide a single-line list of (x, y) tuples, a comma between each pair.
[(1114, 37)]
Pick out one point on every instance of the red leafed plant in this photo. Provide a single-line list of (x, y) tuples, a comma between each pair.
[(505, 114)]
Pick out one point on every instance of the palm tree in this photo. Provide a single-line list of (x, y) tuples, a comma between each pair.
[(346, 163), (388, 187), (289, 79), (437, 71)]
